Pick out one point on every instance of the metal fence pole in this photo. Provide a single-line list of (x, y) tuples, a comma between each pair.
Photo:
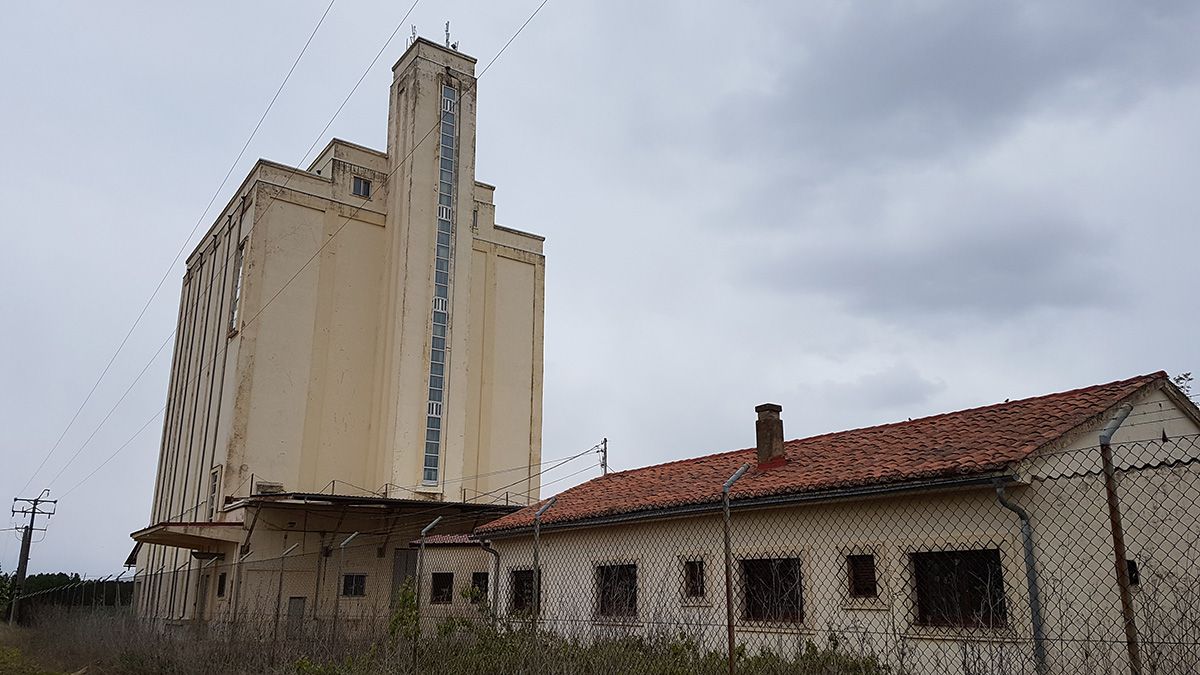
[(731, 647), (279, 597), (1118, 539), (417, 592), (537, 575), (337, 603), (237, 592)]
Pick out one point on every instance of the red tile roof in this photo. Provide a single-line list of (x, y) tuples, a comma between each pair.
[(958, 444)]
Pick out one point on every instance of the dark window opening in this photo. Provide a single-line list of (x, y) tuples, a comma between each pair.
[(354, 585), (442, 592), (479, 587), (772, 590), (960, 588), (361, 187), (521, 599), (1135, 577), (693, 579), (861, 570), (221, 585), (616, 587)]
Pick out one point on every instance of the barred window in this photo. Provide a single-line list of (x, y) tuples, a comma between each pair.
[(442, 588), (693, 579), (479, 587), (521, 591), (861, 572), (221, 585), (960, 588), (354, 585), (616, 590), (772, 590)]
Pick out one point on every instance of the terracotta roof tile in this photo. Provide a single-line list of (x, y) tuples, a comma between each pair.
[(962, 443)]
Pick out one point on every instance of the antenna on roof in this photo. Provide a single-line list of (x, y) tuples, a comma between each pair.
[(447, 35), (412, 36)]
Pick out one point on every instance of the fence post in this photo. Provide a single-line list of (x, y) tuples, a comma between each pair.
[(417, 591), (237, 593), (337, 602), (537, 575), (729, 631), (279, 598), (1118, 538)]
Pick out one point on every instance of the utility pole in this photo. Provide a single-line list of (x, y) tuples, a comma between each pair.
[(604, 457), (36, 507)]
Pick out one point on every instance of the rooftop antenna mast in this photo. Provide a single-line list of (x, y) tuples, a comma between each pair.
[(447, 35), (413, 35)]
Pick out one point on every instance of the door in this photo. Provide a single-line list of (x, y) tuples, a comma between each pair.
[(295, 617), (404, 568)]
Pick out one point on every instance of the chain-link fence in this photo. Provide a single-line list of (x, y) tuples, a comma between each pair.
[(1036, 569)]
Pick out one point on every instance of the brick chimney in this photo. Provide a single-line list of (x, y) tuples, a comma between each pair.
[(769, 432)]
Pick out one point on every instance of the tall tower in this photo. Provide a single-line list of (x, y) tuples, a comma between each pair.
[(461, 315), (360, 327)]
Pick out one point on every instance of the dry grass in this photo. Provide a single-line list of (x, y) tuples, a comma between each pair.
[(110, 643)]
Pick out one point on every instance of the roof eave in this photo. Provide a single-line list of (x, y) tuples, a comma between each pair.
[(1005, 475)]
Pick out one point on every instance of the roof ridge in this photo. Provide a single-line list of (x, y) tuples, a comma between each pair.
[(1069, 392)]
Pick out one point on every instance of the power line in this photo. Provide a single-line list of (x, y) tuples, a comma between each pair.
[(347, 219), (182, 248), (257, 218)]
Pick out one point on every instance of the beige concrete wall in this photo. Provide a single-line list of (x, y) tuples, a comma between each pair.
[(1073, 547), (322, 384)]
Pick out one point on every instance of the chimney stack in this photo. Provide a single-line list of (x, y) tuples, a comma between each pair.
[(769, 432)]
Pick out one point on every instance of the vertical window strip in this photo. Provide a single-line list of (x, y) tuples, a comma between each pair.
[(443, 263)]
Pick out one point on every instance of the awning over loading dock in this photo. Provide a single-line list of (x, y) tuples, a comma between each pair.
[(194, 536)]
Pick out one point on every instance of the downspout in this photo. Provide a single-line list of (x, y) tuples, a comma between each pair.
[(1031, 581), (1118, 537), (495, 584)]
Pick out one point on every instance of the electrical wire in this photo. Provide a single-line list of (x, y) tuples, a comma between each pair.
[(287, 284), (167, 273)]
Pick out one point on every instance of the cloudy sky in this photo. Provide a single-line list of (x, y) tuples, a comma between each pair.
[(863, 211)]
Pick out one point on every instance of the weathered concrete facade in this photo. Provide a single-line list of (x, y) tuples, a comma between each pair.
[(362, 326)]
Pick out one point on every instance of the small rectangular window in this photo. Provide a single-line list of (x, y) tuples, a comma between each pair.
[(479, 587), (960, 588), (616, 590), (521, 591), (221, 585), (354, 585), (693, 579), (1135, 577), (361, 186), (441, 588), (861, 571), (772, 590)]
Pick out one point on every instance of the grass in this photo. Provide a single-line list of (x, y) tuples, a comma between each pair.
[(15, 661), (108, 643)]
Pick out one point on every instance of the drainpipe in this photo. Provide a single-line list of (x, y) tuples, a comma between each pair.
[(729, 565), (1118, 537), (494, 590), (1031, 581)]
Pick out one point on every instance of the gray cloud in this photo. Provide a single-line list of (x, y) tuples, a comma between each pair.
[(881, 83), (862, 211), (997, 266)]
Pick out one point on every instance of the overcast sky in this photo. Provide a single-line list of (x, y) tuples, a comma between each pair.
[(862, 211)]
